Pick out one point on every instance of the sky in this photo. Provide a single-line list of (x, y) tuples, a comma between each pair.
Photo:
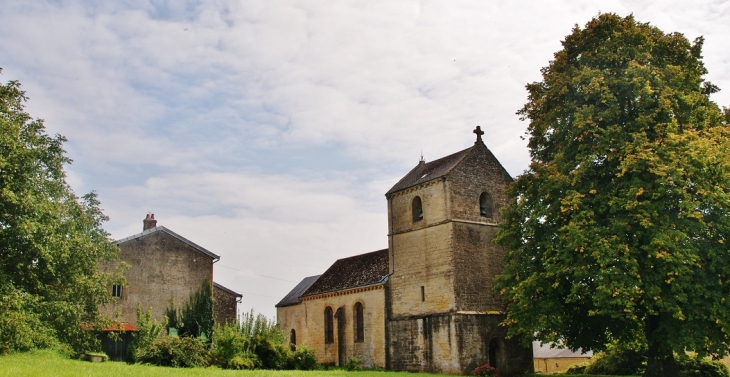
[(269, 131)]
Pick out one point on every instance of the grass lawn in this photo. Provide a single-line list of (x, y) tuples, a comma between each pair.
[(50, 363)]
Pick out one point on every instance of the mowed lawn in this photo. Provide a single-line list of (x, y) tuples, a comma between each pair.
[(49, 363)]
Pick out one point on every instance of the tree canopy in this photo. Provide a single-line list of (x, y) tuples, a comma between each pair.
[(50, 240), (619, 228)]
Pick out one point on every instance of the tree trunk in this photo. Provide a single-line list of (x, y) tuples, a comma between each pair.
[(660, 357)]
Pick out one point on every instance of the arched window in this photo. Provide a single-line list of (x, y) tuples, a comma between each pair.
[(359, 323), (329, 332), (486, 207), (293, 340), (417, 209)]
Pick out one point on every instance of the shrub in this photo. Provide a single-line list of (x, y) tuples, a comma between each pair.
[(577, 368), (617, 360), (21, 328), (149, 331), (485, 370), (353, 364), (173, 351), (304, 358), (698, 367)]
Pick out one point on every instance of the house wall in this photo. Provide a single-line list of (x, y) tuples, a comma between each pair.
[(162, 269), (225, 306), (307, 319), (554, 365)]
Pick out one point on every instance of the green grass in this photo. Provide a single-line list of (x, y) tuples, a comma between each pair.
[(50, 363)]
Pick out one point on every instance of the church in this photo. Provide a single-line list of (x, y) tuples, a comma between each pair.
[(426, 303)]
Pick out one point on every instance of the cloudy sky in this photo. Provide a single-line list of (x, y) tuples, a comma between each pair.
[(269, 131)]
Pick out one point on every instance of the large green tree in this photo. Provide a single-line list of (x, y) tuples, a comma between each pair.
[(50, 240), (620, 228)]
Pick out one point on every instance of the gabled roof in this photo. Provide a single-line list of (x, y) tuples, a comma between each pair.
[(224, 289), (358, 271), (424, 172), (168, 231), (544, 351), (292, 298)]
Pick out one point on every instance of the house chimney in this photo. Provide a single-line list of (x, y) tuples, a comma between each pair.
[(149, 222)]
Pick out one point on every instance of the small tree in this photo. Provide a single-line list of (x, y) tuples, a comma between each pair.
[(619, 229)]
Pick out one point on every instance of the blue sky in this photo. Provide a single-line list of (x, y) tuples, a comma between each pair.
[(269, 131)]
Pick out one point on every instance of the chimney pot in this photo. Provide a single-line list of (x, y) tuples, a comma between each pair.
[(149, 222)]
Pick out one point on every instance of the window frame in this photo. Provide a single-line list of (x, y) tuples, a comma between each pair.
[(329, 331), (417, 209), (359, 313)]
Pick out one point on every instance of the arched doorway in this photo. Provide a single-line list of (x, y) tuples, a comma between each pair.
[(495, 353)]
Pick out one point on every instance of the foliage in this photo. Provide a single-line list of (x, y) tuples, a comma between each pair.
[(50, 240), (577, 368), (618, 231), (304, 358), (149, 331), (353, 364), (257, 342), (175, 351), (617, 360), (196, 316), (485, 370), (21, 327), (702, 367)]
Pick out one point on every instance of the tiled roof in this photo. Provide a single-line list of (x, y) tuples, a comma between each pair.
[(424, 172), (224, 289), (292, 298), (544, 351), (168, 231), (358, 271)]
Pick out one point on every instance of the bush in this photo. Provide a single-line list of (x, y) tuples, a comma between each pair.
[(485, 370), (577, 368), (173, 351), (617, 360), (697, 367), (149, 331), (21, 329), (304, 358), (353, 364)]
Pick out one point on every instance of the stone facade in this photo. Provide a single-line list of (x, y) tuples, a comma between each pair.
[(225, 303), (162, 267), (440, 311)]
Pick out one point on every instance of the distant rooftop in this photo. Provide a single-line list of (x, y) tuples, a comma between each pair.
[(358, 271)]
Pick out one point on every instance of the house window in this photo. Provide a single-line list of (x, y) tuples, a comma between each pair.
[(293, 340), (359, 323), (486, 207), (117, 290), (417, 209), (329, 332)]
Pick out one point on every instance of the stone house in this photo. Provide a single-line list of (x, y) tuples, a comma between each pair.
[(164, 268), (426, 302)]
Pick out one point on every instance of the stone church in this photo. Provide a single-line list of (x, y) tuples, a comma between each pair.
[(426, 302)]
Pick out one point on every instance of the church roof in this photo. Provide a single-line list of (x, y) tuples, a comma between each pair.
[(424, 172), (168, 231), (292, 298), (358, 271)]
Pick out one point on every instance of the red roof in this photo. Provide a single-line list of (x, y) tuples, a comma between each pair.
[(116, 327)]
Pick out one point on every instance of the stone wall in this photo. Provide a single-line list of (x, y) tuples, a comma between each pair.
[(161, 268), (454, 343), (225, 306), (307, 320)]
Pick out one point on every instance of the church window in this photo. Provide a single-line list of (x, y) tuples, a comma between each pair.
[(293, 340), (329, 331), (423, 294), (359, 323), (117, 291), (417, 209), (486, 206)]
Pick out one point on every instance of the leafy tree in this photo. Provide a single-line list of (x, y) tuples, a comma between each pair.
[(50, 240), (619, 229)]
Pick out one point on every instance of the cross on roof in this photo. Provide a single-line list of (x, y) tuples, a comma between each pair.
[(479, 133)]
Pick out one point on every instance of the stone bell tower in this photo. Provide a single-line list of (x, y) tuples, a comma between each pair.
[(442, 312)]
